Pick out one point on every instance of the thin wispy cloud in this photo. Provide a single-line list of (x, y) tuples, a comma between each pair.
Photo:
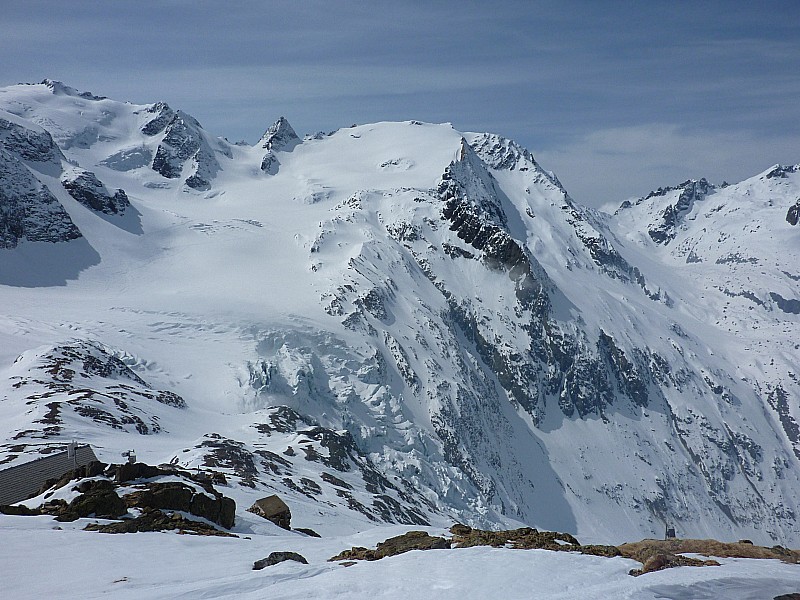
[(610, 165), (565, 77)]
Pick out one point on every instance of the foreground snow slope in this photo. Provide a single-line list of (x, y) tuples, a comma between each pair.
[(40, 562), (452, 335)]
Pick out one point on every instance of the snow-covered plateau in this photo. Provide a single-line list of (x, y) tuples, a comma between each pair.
[(390, 325)]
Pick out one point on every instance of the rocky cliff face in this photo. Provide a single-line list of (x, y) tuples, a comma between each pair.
[(279, 136), (31, 144), (87, 189), (28, 210), (184, 143)]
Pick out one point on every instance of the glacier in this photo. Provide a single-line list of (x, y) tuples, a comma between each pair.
[(398, 323)]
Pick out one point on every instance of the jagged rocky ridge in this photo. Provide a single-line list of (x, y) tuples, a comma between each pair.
[(502, 350)]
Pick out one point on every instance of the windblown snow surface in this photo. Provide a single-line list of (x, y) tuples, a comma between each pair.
[(388, 325)]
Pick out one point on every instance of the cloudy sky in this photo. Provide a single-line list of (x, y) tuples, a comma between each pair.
[(617, 98)]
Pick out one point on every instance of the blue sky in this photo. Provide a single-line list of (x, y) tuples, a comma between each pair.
[(617, 98)]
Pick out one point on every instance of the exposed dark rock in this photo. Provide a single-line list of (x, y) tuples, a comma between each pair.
[(179, 145), (279, 136), (184, 141), (790, 305), (84, 378), (278, 557), (413, 540), (337, 450), (131, 471), (90, 470), (90, 191), (156, 520), (163, 115), (31, 144), (19, 510), (665, 560), (28, 211), (209, 504), (60, 89), (340, 445), (282, 419), (691, 191), (524, 539), (628, 378), (333, 480), (793, 214), (778, 399), (97, 499), (781, 171), (307, 531), (273, 509), (501, 153), (230, 454), (373, 303)]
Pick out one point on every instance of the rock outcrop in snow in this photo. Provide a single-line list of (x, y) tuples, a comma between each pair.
[(183, 142), (28, 210), (279, 137), (87, 189)]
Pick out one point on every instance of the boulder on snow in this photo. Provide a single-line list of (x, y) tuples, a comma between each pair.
[(667, 560), (793, 216), (273, 509), (307, 531), (278, 557)]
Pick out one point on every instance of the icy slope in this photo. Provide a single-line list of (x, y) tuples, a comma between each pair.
[(478, 345)]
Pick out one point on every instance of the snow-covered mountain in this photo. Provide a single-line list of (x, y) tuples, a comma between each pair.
[(398, 322)]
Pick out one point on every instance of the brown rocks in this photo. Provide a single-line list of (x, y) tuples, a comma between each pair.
[(273, 509), (413, 540), (666, 560), (525, 538), (642, 550), (307, 531), (19, 510)]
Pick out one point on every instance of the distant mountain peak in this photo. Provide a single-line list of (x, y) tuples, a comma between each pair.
[(60, 89), (279, 135)]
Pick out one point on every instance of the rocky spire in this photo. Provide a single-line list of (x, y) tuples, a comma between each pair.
[(279, 136)]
